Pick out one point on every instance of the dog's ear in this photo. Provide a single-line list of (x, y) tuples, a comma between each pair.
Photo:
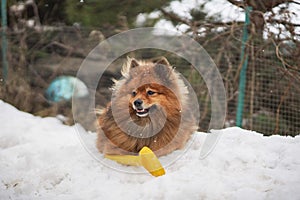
[(130, 64), (164, 72), (163, 69), (161, 60)]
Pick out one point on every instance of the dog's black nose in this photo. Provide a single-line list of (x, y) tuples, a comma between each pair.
[(138, 103)]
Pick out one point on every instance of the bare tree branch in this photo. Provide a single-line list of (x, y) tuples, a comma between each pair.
[(295, 2), (173, 16), (240, 4), (263, 6), (282, 22)]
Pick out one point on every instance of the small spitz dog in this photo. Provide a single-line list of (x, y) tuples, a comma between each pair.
[(150, 106)]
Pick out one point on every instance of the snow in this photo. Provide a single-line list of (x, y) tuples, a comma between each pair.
[(40, 158), (221, 9)]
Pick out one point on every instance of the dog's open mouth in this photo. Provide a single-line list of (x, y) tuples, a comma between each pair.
[(142, 112)]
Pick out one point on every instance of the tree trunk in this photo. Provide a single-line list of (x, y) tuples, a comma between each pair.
[(258, 21), (259, 7)]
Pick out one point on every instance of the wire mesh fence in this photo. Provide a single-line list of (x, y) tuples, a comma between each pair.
[(272, 98), (273, 105), (271, 102)]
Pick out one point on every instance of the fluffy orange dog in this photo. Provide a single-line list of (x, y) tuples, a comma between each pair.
[(149, 107)]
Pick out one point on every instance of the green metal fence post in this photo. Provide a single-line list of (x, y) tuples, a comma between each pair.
[(4, 40), (244, 59)]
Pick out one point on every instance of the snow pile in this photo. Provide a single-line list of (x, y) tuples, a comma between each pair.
[(40, 158)]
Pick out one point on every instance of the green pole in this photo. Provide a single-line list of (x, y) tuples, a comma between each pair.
[(4, 40), (244, 59)]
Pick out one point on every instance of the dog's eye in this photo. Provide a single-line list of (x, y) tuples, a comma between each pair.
[(133, 93), (149, 92)]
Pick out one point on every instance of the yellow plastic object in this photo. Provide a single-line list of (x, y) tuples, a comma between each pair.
[(146, 158), (125, 159), (151, 162)]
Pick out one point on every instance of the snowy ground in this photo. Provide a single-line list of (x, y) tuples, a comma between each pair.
[(40, 158)]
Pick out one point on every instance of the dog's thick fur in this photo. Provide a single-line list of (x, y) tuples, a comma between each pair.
[(164, 122)]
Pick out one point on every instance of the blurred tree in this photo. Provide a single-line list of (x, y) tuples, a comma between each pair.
[(42, 11), (52, 11), (259, 8), (262, 13), (94, 13), (109, 12)]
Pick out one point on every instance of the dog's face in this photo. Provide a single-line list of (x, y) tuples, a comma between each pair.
[(150, 87), (148, 98)]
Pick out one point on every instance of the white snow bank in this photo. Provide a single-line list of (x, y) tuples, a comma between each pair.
[(40, 158)]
